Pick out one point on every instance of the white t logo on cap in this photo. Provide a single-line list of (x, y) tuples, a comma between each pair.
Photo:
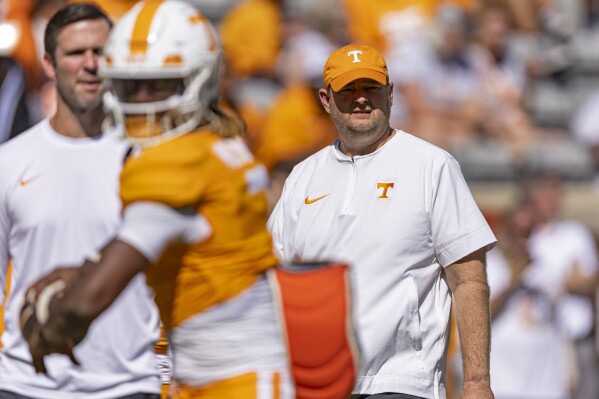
[(355, 54)]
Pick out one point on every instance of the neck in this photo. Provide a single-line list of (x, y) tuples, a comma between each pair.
[(352, 146), (70, 123)]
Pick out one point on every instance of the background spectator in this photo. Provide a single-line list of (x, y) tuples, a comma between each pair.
[(14, 114), (567, 269), (524, 325)]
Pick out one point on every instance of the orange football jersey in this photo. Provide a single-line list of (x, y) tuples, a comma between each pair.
[(220, 179)]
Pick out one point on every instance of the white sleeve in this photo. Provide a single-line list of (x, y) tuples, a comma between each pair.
[(149, 227), (458, 227), (275, 224)]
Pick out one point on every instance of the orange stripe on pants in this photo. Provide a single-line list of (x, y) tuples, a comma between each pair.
[(243, 386)]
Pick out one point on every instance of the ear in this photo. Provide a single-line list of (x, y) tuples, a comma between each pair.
[(48, 66), (390, 93), (324, 99)]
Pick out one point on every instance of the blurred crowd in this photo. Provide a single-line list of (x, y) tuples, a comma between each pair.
[(509, 87), (502, 84)]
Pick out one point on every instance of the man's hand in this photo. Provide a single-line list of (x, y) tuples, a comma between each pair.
[(35, 312)]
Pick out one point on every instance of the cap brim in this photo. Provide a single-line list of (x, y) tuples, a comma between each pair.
[(361, 73)]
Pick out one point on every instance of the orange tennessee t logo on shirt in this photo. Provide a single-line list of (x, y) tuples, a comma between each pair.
[(385, 187)]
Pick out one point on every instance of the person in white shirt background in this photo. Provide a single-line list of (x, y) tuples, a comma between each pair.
[(564, 253), (399, 211), (532, 356), (58, 203)]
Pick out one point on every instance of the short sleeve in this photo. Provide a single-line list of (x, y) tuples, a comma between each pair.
[(275, 224), (458, 227), (282, 219)]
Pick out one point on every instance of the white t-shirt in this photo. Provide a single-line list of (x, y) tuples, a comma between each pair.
[(529, 357), (58, 203), (398, 216)]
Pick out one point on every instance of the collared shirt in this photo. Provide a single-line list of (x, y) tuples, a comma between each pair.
[(397, 216)]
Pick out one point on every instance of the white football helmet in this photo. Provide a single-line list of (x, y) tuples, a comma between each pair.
[(161, 69)]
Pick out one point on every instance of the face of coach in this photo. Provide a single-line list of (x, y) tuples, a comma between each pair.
[(358, 96)]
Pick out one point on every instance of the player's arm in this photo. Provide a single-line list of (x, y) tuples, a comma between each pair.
[(92, 290), (54, 320), (60, 307), (468, 281)]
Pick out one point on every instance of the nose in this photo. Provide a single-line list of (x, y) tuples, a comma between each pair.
[(361, 96), (360, 93), (90, 61)]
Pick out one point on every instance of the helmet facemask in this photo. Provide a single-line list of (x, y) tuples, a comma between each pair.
[(162, 82), (175, 105)]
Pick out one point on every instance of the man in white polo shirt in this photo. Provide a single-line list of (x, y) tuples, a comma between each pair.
[(398, 209)]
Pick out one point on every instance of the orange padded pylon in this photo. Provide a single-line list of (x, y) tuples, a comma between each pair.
[(316, 305)]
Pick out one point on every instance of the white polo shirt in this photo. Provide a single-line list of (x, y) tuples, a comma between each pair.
[(398, 216), (59, 202)]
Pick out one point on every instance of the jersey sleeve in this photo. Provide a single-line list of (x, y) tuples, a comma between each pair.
[(150, 227), (458, 227)]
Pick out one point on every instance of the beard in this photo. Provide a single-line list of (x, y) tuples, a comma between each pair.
[(351, 126), (80, 102)]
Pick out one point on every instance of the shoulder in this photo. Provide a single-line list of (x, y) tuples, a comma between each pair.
[(17, 155), (21, 147), (175, 172), (303, 172), (22, 140), (308, 165), (177, 153), (417, 154), (410, 144)]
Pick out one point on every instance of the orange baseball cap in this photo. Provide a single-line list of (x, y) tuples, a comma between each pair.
[(352, 62)]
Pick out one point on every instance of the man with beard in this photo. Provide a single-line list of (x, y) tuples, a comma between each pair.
[(398, 210)]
